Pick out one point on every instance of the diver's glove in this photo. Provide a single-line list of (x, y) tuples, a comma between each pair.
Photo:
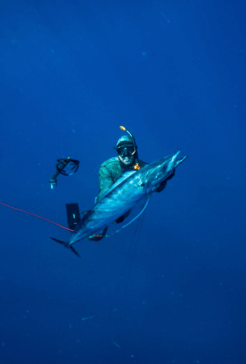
[(95, 237), (98, 237), (171, 176), (120, 219), (123, 217), (163, 184)]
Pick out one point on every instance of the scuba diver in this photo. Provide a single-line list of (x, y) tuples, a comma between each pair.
[(112, 169), (109, 172)]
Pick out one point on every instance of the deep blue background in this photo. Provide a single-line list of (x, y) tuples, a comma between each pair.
[(171, 287)]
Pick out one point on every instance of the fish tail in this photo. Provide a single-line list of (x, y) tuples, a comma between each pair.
[(67, 245)]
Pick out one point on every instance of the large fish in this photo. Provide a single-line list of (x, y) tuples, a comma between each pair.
[(131, 189)]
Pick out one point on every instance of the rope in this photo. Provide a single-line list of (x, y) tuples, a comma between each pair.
[(40, 217)]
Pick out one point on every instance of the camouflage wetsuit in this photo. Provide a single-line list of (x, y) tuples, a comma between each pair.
[(112, 169)]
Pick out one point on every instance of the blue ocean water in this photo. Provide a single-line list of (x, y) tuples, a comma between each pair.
[(170, 288)]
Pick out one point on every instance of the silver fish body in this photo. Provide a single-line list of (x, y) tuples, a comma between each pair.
[(127, 192)]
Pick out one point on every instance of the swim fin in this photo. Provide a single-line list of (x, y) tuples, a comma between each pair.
[(73, 215)]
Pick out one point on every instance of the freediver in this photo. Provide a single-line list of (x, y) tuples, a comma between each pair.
[(112, 169)]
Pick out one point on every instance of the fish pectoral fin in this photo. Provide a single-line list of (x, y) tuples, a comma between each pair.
[(67, 245)]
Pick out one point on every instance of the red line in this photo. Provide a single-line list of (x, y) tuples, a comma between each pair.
[(40, 217)]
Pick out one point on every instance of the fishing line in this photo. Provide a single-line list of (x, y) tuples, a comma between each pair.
[(135, 218), (135, 244), (124, 276), (40, 217), (132, 248), (128, 255)]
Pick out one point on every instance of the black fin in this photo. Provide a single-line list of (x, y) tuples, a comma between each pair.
[(74, 251), (70, 247), (60, 241), (73, 215)]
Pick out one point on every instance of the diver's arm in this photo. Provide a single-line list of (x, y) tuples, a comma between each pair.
[(105, 180)]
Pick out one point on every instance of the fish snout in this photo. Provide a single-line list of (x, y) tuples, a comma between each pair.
[(171, 163)]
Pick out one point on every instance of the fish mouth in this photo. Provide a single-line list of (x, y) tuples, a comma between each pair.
[(174, 162), (171, 162), (174, 157), (181, 160)]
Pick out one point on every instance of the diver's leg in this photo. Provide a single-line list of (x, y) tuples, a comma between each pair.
[(98, 237)]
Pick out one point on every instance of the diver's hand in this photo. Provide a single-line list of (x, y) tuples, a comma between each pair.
[(171, 176), (163, 184)]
